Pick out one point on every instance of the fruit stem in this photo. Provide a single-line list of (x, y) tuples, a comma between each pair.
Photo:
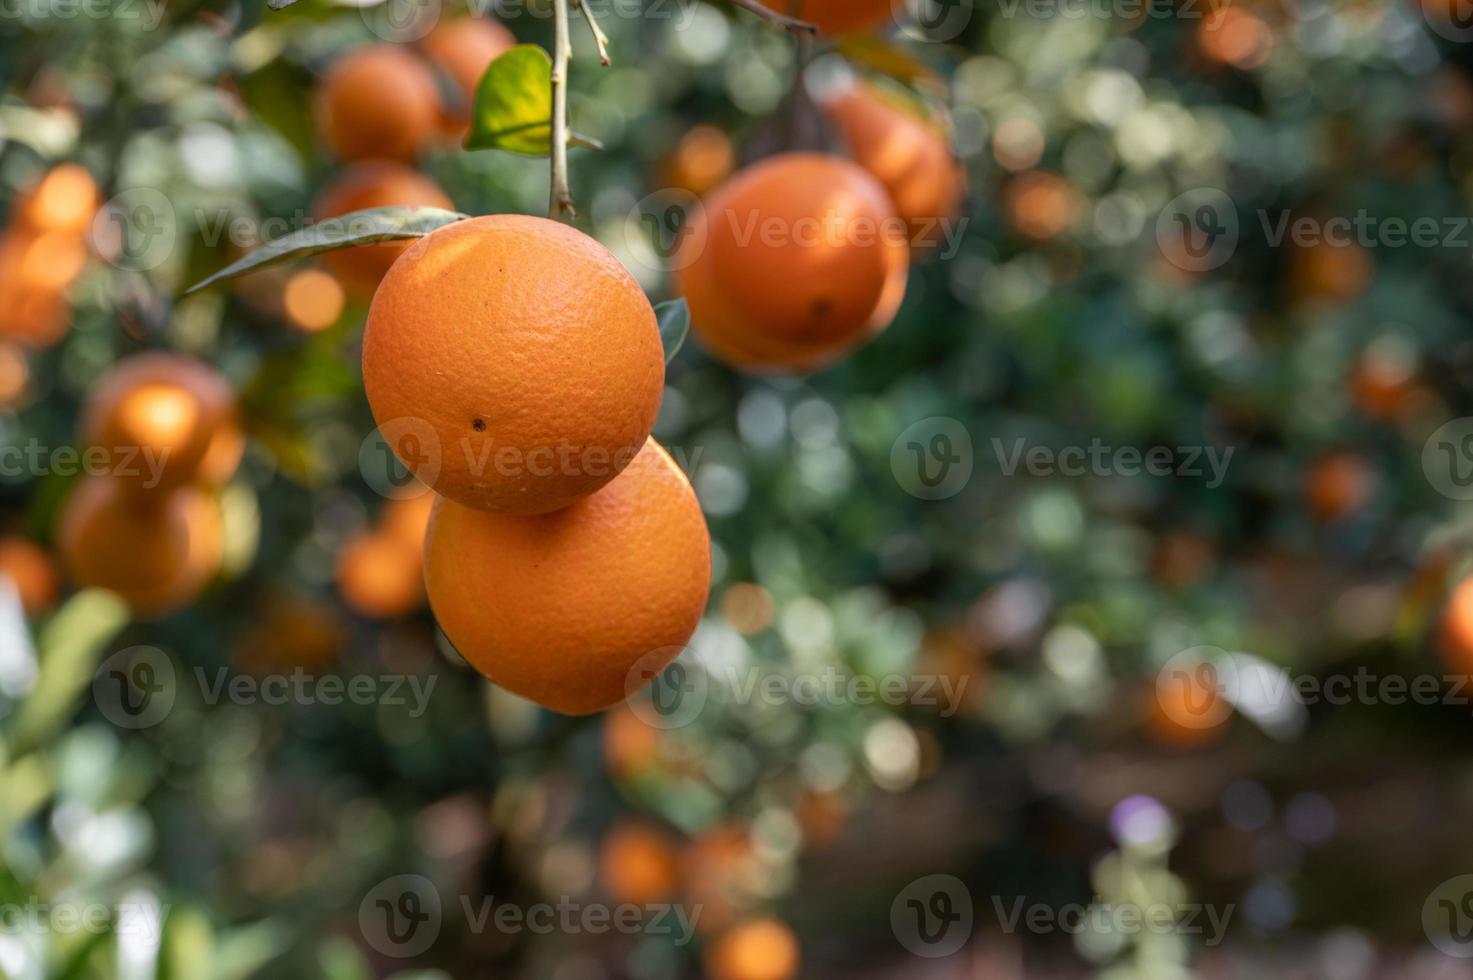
[(782, 20), (599, 37), (561, 198)]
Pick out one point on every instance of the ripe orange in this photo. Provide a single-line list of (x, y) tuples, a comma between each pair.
[(63, 200), (702, 159), (463, 48), (637, 864), (1185, 715), (381, 577), (31, 570), (835, 17), (528, 357), (158, 553), (760, 949), (907, 153), (312, 300), (164, 420), (378, 101), (1455, 632), (793, 262), (560, 608), (1040, 204), (1338, 485), (373, 184)]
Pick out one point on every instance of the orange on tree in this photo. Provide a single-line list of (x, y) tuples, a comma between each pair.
[(835, 17), (378, 101), (312, 299), (373, 184), (1339, 484), (908, 154), (64, 199), (157, 552), (31, 571), (463, 48), (1455, 630), (793, 262), (164, 420), (1040, 205), (759, 949), (702, 159), (520, 360), (638, 864), (381, 577), (561, 608)]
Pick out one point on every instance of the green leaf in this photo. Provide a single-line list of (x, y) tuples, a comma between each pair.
[(513, 105), (279, 4), (70, 645), (674, 319), (347, 231)]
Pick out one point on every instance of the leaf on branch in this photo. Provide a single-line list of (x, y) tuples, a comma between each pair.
[(347, 231), (674, 319), (513, 106)]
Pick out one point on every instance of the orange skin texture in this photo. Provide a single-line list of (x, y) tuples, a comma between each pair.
[(792, 263), (560, 608), (32, 572), (377, 102), (638, 865), (163, 406), (463, 49), (906, 153), (380, 576), (528, 349), (157, 554), (373, 184), (835, 17), (760, 949)]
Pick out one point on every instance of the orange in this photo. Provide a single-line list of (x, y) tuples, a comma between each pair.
[(1040, 204), (1338, 485), (513, 362), (31, 570), (408, 520), (631, 744), (15, 374), (378, 101), (374, 184), (760, 949), (793, 262), (164, 420), (381, 577), (907, 153), (560, 608), (63, 200), (1455, 633), (702, 159), (312, 300), (1185, 715), (463, 48), (1330, 272), (835, 17), (638, 864), (157, 553)]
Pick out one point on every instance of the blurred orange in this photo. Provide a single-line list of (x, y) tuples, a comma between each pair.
[(1185, 714), (1331, 273), (720, 871), (1383, 382), (1235, 37), (15, 374), (702, 159), (408, 520), (1182, 559), (631, 744), (637, 864), (377, 102), (157, 553), (313, 300), (823, 816), (33, 573), (463, 48), (1040, 205), (1339, 484), (380, 577), (1455, 631), (64, 200), (760, 949), (748, 607)]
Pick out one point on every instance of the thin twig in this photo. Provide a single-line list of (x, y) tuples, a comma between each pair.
[(560, 200), (782, 20), (599, 37)]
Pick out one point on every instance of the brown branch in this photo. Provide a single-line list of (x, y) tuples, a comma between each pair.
[(560, 198), (772, 16)]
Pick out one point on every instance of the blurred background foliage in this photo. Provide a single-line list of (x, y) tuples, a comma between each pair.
[(241, 838)]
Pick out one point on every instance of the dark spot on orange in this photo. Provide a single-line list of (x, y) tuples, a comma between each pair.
[(479, 425)]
